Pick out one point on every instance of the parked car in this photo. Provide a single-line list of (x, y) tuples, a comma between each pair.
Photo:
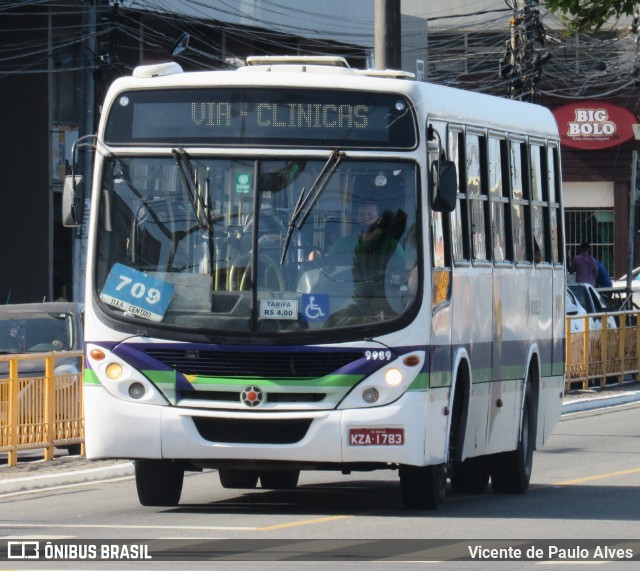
[(41, 327), (621, 284), (573, 308), (588, 297)]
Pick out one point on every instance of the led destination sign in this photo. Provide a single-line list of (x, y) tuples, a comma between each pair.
[(262, 117)]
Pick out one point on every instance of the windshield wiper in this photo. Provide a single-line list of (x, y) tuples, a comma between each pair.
[(307, 203), (188, 178)]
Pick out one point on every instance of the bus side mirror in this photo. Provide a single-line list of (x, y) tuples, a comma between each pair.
[(444, 186), (72, 201)]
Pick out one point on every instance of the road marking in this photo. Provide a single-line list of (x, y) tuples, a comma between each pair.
[(215, 528), (64, 487), (16, 524), (173, 527), (597, 477), (303, 522)]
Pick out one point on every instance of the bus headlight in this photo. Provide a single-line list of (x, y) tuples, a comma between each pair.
[(387, 384), (113, 371), (393, 377), (121, 379)]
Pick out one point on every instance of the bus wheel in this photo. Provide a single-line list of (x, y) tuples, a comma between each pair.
[(74, 449), (279, 479), (511, 471), (238, 479), (159, 482), (471, 476), (423, 487)]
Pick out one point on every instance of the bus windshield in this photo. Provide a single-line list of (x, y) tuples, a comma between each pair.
[(257, 246)]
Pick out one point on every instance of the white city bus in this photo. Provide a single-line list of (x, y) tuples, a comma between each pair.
[(301, 266)]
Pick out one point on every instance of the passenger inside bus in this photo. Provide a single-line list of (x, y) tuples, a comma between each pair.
[(375, 256), (372, 233)]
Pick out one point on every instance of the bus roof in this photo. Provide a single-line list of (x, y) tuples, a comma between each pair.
[(436, 101)]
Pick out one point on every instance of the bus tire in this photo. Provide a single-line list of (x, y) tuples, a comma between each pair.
[(470, 476), (159, 482), (511, 471), (74, 449), (423, 487), (279, 479), (238, 479)]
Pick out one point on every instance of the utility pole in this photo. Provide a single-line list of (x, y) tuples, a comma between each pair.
[(388, 53), (89, 25), (521, 64), (634, 193), (634, 187)]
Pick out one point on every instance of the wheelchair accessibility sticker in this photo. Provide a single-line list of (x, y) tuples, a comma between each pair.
[(315, 307)]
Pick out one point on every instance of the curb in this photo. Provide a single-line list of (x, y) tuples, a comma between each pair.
[(55, 479), (593, 403)]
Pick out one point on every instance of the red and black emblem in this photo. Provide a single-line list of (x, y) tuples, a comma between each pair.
[(252, 396)]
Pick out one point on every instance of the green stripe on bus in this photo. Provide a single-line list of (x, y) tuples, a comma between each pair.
[(90, 378), (420, 383), (161, 378)]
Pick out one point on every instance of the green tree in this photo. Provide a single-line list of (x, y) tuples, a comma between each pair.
[(590, 15)]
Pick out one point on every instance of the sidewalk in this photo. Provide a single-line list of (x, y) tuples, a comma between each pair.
[(34, 473), (593, 398)]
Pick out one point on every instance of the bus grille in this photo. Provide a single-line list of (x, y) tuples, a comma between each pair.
[(234, 396), (261, 365), (246, 431)]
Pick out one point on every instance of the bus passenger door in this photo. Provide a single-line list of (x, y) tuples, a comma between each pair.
[(439, 249)]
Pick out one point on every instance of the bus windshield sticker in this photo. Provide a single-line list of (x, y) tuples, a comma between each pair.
[(243, 183), (136, 292), (278, 309), (315, 307)]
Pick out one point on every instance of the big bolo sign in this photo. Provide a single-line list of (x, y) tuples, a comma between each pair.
[(594, 125)]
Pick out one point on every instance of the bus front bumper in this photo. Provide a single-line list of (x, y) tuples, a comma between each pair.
[(412, 430)]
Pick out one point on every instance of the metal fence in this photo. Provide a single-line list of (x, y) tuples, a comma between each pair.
[(599, 353), (41, 410)]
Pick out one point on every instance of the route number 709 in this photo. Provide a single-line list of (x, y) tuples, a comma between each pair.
[(138, 289)]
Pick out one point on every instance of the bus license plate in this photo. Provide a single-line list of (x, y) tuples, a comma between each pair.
[(376, 436)]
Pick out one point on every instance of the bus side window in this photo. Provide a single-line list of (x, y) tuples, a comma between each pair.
[(499, 198), (460, 217), (553, 178), (539, 204), (519, 203), (476, 192)]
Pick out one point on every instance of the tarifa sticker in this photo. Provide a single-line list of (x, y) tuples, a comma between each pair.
[(278, 309)]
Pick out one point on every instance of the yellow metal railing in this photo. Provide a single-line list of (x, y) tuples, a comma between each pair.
[(41, 412), (606, 346)]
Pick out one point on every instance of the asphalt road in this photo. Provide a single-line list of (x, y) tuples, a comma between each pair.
[(583, 497), (585, 491), (32, 472)]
